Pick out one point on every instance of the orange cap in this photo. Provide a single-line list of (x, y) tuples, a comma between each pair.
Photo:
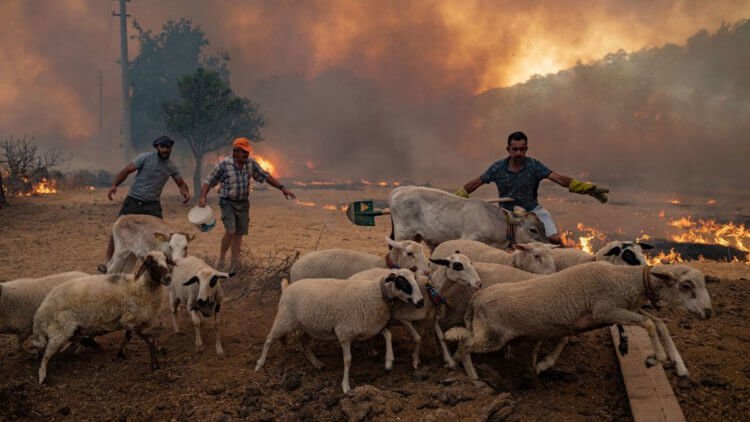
[(242, 143)]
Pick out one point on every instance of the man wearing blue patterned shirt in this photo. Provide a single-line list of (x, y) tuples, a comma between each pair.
[(234, 175), (518, 177)]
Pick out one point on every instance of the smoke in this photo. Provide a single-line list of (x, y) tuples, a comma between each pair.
[(380, 90)]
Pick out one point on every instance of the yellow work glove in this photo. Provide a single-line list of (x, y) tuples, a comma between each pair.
[(462, 193), (576, 186)]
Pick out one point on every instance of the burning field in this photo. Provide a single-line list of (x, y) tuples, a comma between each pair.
[(67, 230)]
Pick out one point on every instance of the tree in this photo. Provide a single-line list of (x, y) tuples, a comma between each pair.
[(162, 60), (209, 115), (24, 164)]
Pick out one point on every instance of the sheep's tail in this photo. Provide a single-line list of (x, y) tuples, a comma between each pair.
[(457, 334), (461, 333), (284, 284)]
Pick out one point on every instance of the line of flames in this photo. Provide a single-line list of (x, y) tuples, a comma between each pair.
[(700, 231)]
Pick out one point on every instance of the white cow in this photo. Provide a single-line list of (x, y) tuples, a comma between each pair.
[(435, 216)]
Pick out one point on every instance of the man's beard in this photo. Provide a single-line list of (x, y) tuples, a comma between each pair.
[(164, 155)]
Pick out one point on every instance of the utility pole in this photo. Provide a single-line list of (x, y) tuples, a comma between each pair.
[(126, 123), (101, 104)]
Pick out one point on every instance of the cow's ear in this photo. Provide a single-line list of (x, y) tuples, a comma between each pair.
[(613, 252), (520, 247), (508, 214), (519, 211)]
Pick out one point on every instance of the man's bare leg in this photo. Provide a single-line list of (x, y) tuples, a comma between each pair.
[(555, 238), (102, 268), (226, 241), (110, 248), (236, 246)]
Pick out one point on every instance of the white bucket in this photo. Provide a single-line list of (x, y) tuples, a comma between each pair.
[(203, 217)]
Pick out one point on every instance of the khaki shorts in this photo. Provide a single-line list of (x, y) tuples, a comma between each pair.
[(235, 215)]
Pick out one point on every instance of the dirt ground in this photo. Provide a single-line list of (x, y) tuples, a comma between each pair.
[(68, 231)]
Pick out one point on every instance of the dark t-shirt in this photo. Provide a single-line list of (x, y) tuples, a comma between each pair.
[(521, 186)]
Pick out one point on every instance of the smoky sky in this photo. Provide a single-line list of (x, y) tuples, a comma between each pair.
[(388, 89)]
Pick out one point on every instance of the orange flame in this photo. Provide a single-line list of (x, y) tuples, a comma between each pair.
[(585, 242), (663, 258), (266, 165), (44, 187)]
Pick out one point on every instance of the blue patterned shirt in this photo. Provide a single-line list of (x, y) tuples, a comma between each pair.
[(235, 183), (521, 186)]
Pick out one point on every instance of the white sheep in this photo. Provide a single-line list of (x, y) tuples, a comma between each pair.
[(99, 304), (534, 257), (579, 299), (616, 252), (136, 235), (490, 274), (198, 286), (343, 263), (19, 300), (342, 311), (454, 269)]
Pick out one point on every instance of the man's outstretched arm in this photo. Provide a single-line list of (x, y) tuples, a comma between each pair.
[(121, 176), (469, 187), (576, 186)]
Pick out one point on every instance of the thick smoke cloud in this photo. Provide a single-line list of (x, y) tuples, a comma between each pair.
[(377, 90)]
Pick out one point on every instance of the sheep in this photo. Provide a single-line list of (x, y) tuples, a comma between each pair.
[(136, 235), (343, 263), (99, 304), (456, 268), (490, 274), (533, 257), (20, 298), (198, 286), (341, 310), (616, 252), (578, 299)]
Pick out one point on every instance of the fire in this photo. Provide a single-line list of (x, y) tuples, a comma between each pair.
[(89, 188), (305, 203), (661, 214), (266, 165), (711, 202), (330, 207), (381, 183), (682, 222), (585, 242), (567, 240), (709, 231), (675, 201), (663, 258), (44, 187)]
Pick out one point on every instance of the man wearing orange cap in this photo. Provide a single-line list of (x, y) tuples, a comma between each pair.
[(234, 175)]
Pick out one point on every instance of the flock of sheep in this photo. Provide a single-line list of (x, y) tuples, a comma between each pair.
[(473, 296)]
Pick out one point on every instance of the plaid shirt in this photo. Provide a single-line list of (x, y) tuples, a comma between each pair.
[(235, 183)]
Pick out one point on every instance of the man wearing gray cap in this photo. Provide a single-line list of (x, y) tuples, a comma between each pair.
[(144, 197)]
